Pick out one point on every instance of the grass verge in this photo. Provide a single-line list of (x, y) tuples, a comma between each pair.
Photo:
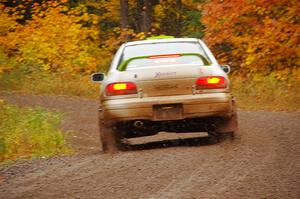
[(49, 83), (267, 93), (29, 133)]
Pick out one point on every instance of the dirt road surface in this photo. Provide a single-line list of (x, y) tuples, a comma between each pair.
[(263, 162)]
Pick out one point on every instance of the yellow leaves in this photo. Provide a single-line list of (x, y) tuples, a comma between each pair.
[(261, 11), (94, 18), (85, 17), (112, 10), (140, 36), (249, 60), (159, 11), (251, 49), (64, 8), (296, 73), (54, 39), (267, 21), (93, 33), (95, 21), (2, 101), (46, 67), (7, 21), (282, 75)]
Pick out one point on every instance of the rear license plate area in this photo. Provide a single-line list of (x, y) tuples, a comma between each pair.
[(167, 112)]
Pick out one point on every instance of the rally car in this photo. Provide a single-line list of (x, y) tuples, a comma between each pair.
[(170, 85)]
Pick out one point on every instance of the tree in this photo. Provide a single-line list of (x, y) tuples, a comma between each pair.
[(144, 15), (257, 36), (124, 13), (181, 18), (45, 43)]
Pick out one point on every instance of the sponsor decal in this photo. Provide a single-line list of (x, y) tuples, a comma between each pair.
[(163, 74)]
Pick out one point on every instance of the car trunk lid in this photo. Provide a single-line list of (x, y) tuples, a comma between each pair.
[(164, 81)]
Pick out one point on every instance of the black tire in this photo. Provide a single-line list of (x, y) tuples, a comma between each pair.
[(227, 135), (231, 135), (110, 139), (214, 137)]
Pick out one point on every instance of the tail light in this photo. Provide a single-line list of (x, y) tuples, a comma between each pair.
[(121, 88), (211, 82)]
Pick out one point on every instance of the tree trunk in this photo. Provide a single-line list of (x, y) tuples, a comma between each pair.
[(138, 15), (179, 18), (124, 13), (144, 15)]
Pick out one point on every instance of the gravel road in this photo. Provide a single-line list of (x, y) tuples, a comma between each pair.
[(263, 162)]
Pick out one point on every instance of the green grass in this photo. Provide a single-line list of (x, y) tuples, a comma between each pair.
[(30, 133), (267, 93), (49, 83)]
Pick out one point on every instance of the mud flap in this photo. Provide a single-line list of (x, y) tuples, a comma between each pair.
[(109, 138), (230, 125)]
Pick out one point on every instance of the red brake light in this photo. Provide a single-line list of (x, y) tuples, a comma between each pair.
[(121, 88), (211, 82)]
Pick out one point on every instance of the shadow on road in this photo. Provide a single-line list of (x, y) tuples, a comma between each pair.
[(196, 141)]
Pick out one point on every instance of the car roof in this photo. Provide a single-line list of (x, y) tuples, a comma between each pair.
[(154, 41)]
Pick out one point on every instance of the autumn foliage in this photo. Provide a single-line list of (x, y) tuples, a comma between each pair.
[(258, 36), (56, 38), (63, 41)]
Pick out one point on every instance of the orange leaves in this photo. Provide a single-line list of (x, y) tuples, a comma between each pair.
[(263, 34)]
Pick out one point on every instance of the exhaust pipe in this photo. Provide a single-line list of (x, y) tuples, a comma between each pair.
[(138, 124)]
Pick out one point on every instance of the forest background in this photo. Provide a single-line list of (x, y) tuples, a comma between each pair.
[(53, 46)]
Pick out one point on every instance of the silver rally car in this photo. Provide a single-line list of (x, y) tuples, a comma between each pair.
[(170, 85)]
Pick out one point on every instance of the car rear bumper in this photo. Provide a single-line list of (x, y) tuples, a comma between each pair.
[(200, 105)]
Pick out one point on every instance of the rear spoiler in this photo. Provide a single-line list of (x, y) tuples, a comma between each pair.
[(123, 65)]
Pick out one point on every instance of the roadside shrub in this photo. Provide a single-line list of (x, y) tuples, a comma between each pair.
[(29, 132), (45, 82), (259, 92)]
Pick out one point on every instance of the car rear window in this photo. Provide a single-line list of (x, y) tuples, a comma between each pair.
[(168, 48), (165, 60), (162, 48)]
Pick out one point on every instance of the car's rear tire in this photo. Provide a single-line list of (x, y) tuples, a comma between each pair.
[(110, 139), (227, 135), (214, 137), (228, 127)]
